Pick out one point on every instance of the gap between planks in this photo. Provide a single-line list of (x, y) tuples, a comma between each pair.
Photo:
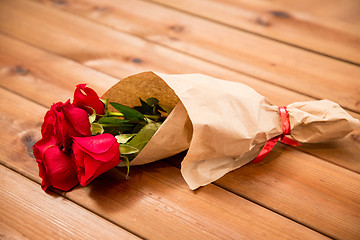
[(37, 79), (255, 18), (25, 202), (219, 72), (172, 179), (304, 75)]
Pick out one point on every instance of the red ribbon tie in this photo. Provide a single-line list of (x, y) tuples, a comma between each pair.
[(285, 126)]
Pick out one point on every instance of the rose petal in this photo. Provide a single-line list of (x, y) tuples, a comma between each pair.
[(94, 168), (85, 97), (96, 144), (59, 169), (77, 118), (45, 184), (48, 125), (89, 165), (42, 145)]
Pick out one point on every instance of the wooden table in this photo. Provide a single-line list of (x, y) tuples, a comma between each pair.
[(287, 50)]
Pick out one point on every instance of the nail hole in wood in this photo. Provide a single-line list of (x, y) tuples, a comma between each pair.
[(137, 60), (177, 28), (20, 70), (280, 14)]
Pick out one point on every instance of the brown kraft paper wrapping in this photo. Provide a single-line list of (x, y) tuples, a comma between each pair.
[(223, 124)]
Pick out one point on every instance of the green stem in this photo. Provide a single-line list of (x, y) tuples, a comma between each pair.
[(113, 114), (152, 117), (115, 125)]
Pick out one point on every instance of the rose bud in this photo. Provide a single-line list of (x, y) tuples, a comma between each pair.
[(94, 156), (86, 98)]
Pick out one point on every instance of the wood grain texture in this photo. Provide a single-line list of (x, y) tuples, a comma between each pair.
[(28, 71), (291, 205), (288, 201), (250, 54), (281, 22), (155, 193), (302, 187), (347, 11), (307, 191), (114, 52), (312, 191), (117, 63), (26, 212)]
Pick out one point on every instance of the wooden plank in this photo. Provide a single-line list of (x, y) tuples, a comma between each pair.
[(155, 193), (322, 194), (26, 136), (27, 70), (347, 11), (17, 62), (343, 152), (26, 212), (116, 56), (305, 72), (306, 188), (244, 52), (317, 221), (312, 172), (280, 22)]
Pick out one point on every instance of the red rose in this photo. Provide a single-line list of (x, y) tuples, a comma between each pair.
[(94, 156), (56, 168), (52, 152), (64, 121), (85, 97)]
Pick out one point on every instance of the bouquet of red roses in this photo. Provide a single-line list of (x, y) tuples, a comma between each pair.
[(222, 124), (84, 139)]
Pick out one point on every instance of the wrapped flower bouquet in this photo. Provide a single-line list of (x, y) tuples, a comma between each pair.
[(151, 116)]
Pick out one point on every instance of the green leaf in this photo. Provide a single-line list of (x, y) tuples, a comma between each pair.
[(144, 108), (129, 113), (127, 149), (165, 108), (153, 117), (114, 120), (124, 138), (96, 128), (152, 101), (113, 114), (138, 127), (114, 125), (144, 135), (92, 117), (106, 103)]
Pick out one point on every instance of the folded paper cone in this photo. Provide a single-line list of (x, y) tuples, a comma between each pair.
[(223, 124)]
